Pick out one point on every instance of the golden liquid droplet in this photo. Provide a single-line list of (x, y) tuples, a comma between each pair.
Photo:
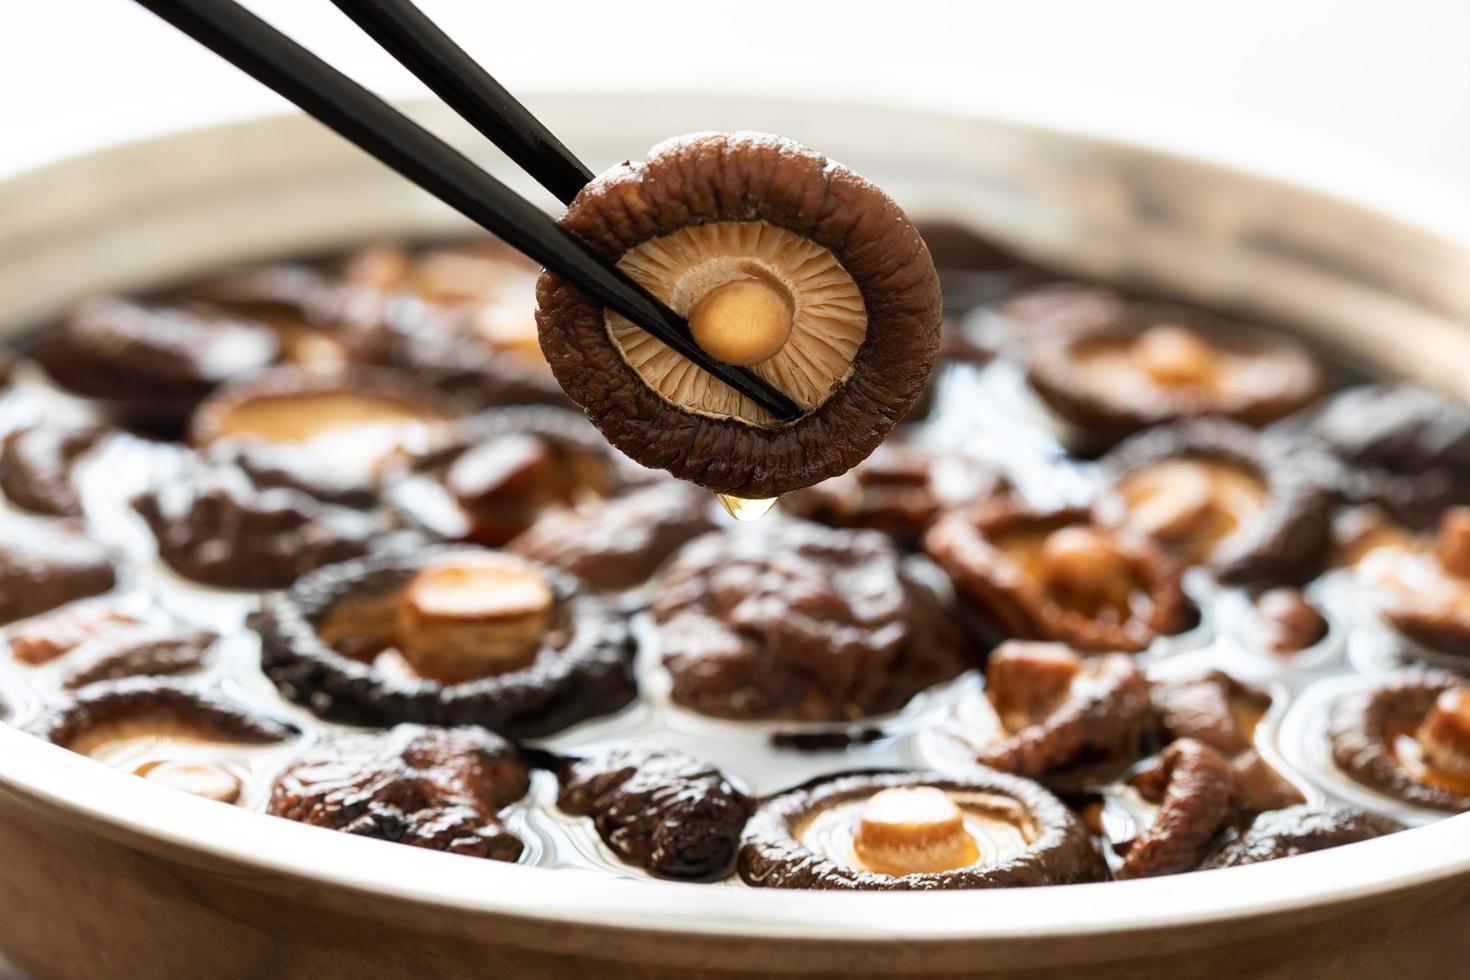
[(746, 508)]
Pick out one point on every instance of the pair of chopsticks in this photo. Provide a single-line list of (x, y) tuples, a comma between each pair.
[(353, 112)]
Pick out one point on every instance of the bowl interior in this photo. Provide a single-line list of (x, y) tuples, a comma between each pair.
[(1354, 279)]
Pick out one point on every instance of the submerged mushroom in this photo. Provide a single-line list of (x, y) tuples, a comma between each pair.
[(503, 470), (1402, 447), (801, 622), (141, 651), (214, 526), (36, 466), (917, 831), (1408, 737), (618, 543), (674, 815), (462, 316), (1111, 366), (898, 490), (1216, 493), (437, 788), (152, 365), (45, 564), (1220, 711), (974, 270), (167, 733), (44, 639), (1421, 583), (303, 307), (1283, 622), (1047, 709), (354, 420), (783, 262), (1060, 575), (1194, 788), (1297, 830), (448, 636)]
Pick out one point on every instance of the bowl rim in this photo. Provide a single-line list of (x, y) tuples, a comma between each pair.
[(115, 799), (30, 767)]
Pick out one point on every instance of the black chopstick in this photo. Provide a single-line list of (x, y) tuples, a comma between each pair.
[(402, 30), (353, 112)]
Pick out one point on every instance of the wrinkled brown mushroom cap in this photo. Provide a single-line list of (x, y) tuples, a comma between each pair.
[(1374, 736), (1297, 830), (898, 490), (1284, 621), (462, 317), (1112, 366), (293, 407), (1050, 709), (710, 179), (214, 526), (1260, 515), (139, 651), (1195, 788), (319, 641), (302, 306), (617, 544), (802, 622), (152, 364), (1401, 446), (148, 703), (36, 466), (660, 809), (997, 555), (1222, 712), (1047, 844), (437, 788), (45, 564), (503, 469)]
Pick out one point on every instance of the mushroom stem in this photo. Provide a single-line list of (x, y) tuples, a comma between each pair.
[(913, 829), (473, 615), (742, 322)]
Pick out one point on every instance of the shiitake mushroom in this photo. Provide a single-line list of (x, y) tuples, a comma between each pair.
[(1217, 493), (448, 636), (1195, 790), (437, 788), (675, 815), (213, 525), (45, 564), (1408, 736), (1277, 834), (1109, 366), (1399, 446), (898, 490), (462, 316), (615, 544), (783, 261), (800, 622), (1060, 575), (151, 365), (1046, 709), (917, 831), (165, 731), (36, 466)]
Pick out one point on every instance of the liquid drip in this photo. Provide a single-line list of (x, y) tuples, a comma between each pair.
[(746, 508)]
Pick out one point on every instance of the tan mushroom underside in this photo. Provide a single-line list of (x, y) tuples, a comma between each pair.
[(829, 318)]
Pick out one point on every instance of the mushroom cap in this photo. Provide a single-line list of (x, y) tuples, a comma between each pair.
[(583, 667), (785, 200), (1047, 844), (1112, 366), (1282, 535)]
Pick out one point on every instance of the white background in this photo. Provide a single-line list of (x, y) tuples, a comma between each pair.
[(1375, 88)]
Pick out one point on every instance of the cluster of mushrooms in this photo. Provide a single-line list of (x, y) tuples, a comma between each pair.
[(382, 453)]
